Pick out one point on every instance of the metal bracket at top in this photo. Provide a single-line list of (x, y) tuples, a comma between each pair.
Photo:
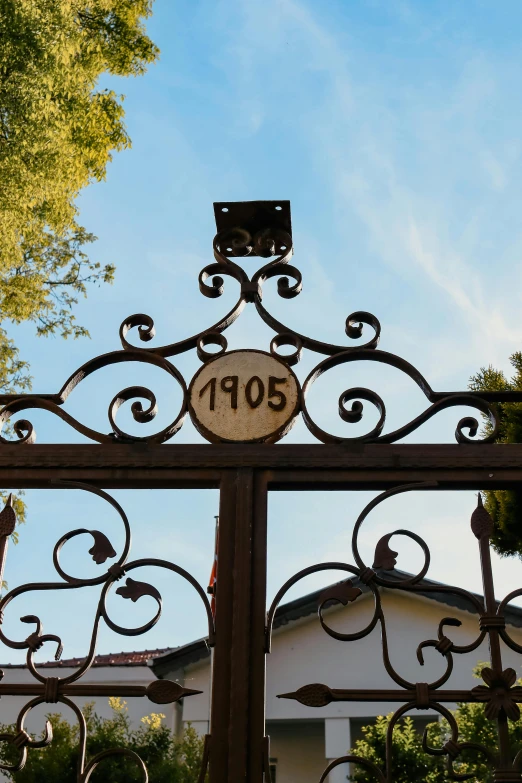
[(253, 216)]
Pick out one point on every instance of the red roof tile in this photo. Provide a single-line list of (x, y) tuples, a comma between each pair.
[(135, 658)]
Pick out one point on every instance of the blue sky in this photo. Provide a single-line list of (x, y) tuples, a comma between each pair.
[(394, 129)]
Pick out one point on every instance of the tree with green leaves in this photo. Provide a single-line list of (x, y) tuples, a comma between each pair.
[(411, 762), (58, 131), (169, 759), (504, 506)]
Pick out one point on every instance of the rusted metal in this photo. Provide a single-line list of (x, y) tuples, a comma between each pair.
[(306, 467), (51, 690), (158, 692), (254, 229), (237, 750), (252, 217), (500, 694)]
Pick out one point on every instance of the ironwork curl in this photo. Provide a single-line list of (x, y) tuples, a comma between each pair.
[(374, 436), (234, 248), (452, 748), (58, 689), (22, 740), (500, 614), (99, 758), (332, 596), (52, 402), (500, 693), (359, 761), (229, 247)]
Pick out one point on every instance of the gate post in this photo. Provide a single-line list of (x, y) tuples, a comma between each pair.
[(238, 677)]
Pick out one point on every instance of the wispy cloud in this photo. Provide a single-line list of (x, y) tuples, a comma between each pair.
[(358, 142)]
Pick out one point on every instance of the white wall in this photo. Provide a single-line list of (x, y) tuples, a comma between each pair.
[(303, 653), (196, 709), (117, 675), (337, 741), (10, 706), (299, 750)]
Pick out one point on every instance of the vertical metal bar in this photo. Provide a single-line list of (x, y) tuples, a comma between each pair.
[(221, 659), (257, 746), (489, 600), (482, 527), (237, 724), (240, 650), (4, 542), (494, 645), (238, 679)]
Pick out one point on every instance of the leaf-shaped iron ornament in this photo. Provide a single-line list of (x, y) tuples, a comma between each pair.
[(314, 695), (343, 592), (481, 522), (167, 692), (135, 590), (385, 557), (7, 519), (102, 548)]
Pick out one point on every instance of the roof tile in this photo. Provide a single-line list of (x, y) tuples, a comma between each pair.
[(134, 658)]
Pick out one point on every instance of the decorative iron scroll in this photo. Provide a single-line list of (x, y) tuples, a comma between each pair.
[(499, 694), (229, 246), (52, 690)]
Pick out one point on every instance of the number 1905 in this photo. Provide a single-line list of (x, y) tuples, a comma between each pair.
[(254, 391)]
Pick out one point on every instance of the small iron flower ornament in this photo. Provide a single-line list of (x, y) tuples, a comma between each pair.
[(499, 693)]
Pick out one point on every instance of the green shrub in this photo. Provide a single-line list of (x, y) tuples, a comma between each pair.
[(169, 759)]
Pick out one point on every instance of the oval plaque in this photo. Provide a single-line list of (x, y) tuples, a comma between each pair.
[(244, 397)]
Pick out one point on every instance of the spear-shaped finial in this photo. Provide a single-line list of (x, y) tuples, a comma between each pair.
[(481, 522), (7, 518), (314, 695)]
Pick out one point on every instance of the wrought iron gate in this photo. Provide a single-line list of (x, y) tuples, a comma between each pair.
[(243, 415)]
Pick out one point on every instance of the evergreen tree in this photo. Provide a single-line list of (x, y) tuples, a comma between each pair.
[(504, 506), (410, 762)]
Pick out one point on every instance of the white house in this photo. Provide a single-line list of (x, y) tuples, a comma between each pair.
[(125, 668), (302, 739)]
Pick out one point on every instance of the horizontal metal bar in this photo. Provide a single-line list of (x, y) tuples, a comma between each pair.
[(301, 466), (337, 694), (399, 695), (73, 689), (368, 479), (402, 695)]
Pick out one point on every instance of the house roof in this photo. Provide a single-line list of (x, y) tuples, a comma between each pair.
[(306, 605), (134, 658)]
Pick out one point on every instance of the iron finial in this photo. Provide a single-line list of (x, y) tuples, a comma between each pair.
[(481, 522)]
